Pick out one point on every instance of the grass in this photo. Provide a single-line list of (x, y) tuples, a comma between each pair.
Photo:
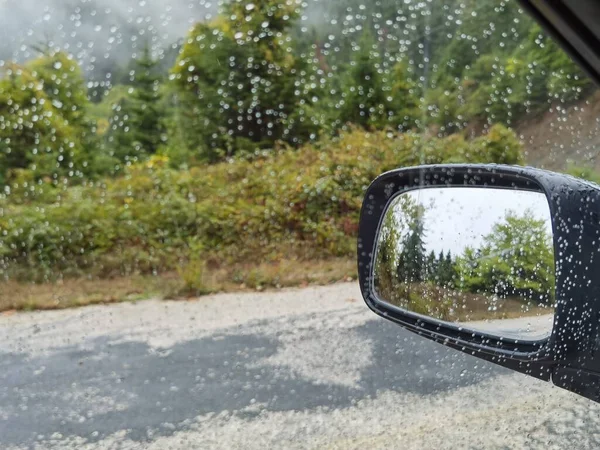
[(455, 306), (183, 284)]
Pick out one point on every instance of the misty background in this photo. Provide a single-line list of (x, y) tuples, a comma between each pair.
[(99, 33), (102, 34)]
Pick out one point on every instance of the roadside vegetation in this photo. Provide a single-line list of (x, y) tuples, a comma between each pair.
[(281, 207), (243, 165)]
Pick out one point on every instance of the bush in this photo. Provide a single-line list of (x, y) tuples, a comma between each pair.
[(192, 275), (302, 204)]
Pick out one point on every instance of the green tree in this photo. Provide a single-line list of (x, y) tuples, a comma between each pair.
[(64, 84), (499, 145), (120, 137), (445, 269), (396, 230), (386, 257), (146, 114), (516, 259), (373, 97), (239, 82), (557, 77), (403, 102), (363, 99), (431, 266), (136, 127), (43, 122), (412, 259)]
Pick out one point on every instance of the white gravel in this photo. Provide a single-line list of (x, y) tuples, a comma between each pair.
[(161, 324), (506, 411)]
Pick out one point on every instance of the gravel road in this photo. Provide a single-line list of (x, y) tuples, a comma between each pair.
[(304, 368)]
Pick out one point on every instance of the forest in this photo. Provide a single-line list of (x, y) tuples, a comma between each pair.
[(258, 134)]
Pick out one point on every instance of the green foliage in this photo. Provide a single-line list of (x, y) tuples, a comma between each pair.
[(372, 101), (411, 260), (441, 271), (562, 78), (500, 144), (239, 85), (136, 120), (43, 123), (147, 118), (404, 104), (498, 67), (254, 78), (119, 136), (516, 259), (400, 249), (303, 203)]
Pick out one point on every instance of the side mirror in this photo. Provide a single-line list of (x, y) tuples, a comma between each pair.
[(500, 262)]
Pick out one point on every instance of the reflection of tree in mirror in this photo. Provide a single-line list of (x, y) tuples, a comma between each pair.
[(411, 260), (515, 260), (402, 267), (398, 227), (441, 269), (511, 274)]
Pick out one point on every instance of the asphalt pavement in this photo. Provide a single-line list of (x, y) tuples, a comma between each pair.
[(302, 368)]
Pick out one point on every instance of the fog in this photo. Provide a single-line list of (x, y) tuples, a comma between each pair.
[(100, 33), (96, 32)]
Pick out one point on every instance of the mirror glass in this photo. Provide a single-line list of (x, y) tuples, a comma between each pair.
[(472, 256)]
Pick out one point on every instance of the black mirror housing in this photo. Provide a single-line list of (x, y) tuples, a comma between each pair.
[(569, 356)]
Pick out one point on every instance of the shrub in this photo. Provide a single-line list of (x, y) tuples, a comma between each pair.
[(303, 204), (192, 275)]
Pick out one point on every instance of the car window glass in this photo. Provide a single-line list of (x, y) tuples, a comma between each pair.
[(180, 187)]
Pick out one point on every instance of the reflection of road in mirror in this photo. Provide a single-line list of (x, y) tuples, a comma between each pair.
[(529, 328), (468, 254)]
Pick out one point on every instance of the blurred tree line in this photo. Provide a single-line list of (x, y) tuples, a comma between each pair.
[(257, 77)]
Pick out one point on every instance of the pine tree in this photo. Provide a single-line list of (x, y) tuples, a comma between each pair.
[(146, 118), (431, 266), (449, 272), (412, 258), (364, 98), (120, 138), (239, 81), (403, 102)]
